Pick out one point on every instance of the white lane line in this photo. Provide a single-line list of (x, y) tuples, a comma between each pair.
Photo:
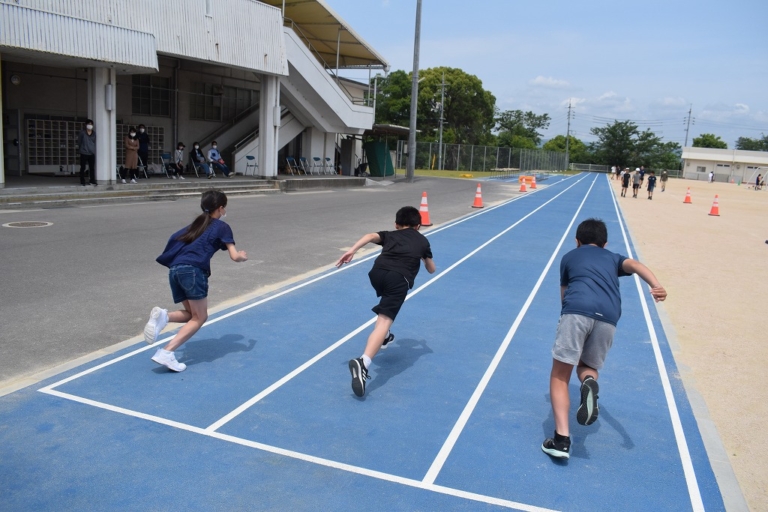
[(677, 425), (302, 456), (275, 386), (453, 436)]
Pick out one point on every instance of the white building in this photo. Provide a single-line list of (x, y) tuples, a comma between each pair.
[(260, 81), (727, 164)]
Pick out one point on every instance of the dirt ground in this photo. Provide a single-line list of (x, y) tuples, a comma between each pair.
[(714, 269)]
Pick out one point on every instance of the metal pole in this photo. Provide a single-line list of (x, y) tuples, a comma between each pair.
[(338, 48), (442, 107), (375, 91), (414, 97), (568, 135)]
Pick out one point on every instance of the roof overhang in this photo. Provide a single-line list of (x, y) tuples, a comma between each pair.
[(726, 155), (389, 129), (30, 35), (328, 35)]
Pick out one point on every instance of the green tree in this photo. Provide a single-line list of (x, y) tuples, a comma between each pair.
[(508, 139), (709, 140), (468, 111), (577, 151), (615, 143), (521, 124), (749, 144)]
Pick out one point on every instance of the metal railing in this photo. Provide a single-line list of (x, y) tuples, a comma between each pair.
[(495, 160)]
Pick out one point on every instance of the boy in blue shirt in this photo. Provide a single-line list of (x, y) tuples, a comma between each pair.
[(392, 275), (591, 307)]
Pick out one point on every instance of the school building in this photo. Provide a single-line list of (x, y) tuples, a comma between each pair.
[(259, 77), (727, 164)]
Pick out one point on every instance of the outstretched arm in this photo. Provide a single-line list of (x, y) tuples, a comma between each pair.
[(635, 267), (365, 240), (238, 256)]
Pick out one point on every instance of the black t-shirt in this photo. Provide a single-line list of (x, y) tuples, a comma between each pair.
[(402, 251), (625, 179)]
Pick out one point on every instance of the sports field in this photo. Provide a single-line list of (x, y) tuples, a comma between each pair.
[(453, 418)]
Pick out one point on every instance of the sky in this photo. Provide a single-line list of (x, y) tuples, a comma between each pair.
[(648, 62)]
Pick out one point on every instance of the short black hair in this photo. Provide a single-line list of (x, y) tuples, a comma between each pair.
[(89, 121), (592, 231), (408, 216)]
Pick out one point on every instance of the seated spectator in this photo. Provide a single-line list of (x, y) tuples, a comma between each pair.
[(176, 167), (214, 158), (197, 158)]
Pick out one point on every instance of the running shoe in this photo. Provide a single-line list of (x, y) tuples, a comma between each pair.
[(389, 337), (168, 359), (158, 319), (359, 375), (588, 410), (554, 447)]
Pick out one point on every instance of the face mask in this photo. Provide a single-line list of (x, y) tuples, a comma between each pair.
[(133, 134), (141, 130), (214, 146), (89, 127), (224, 215), (197, 147)]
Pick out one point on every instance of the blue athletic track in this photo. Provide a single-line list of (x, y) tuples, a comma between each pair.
[(264, 417)]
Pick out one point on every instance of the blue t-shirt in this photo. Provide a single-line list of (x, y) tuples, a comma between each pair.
[(198, 253), (591, 275)]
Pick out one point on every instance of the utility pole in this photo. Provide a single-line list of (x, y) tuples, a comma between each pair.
[(568, 137), (409, 171), (442, 106), (688, 126)]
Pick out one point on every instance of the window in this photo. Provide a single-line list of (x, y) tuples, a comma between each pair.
[(151, 95), (701, 169), (209, 102)]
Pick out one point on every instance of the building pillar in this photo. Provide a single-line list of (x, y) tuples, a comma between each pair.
[(102, 109), (2, 135), (269, 124)]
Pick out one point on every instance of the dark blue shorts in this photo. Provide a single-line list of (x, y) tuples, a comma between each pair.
[(392, 287), (188, 283)]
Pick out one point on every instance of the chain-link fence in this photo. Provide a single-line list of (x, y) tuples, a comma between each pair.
[(497, 161)]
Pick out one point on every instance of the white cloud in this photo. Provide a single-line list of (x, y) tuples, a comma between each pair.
[(549, 82)]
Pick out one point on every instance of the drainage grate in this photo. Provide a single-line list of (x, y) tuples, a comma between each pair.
[(28, 224)]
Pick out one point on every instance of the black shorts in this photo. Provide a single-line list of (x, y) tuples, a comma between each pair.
[(392, 287)]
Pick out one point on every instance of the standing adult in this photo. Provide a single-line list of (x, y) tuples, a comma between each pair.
[(143, 138), (663, 178), (131, 154), (711, 176), (86, 143)]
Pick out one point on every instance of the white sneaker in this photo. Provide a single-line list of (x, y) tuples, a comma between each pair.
[(174, 177), (158, 319), (167, 359), (133, 180), (181, 177), (123, 181)]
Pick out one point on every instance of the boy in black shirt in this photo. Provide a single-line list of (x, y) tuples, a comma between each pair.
[(392, 275), (625, 182)]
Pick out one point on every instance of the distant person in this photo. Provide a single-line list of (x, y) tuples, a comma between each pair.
[(197, 158), (188, 256), (663, 178), (651, 183), (392, 275), (642, 174), (757, 181), (131, 144), (144, 147), (711, 176), (625, 177), (217, 162), (176, 167), (86, 144), (613, 172), (636, 181), (589, 282)]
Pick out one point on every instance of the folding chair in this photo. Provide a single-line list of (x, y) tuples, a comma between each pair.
[(165, 161), (305, 165), (329, 165), (195, 167), (250, 163), (293, 166), (317, 164), (142, 168)]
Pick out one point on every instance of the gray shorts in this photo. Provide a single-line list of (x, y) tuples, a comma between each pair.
[(580, 338)]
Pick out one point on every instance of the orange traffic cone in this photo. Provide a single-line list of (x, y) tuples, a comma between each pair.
[(522, 186), (688, 197), (715, 208), (424, 211), (478, 198), (533, 182)]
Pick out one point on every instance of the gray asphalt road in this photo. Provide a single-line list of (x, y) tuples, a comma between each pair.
[(89, 280)]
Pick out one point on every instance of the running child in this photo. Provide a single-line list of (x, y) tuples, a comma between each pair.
[(625, 177), (188, 256), (392, 275), (591, 307)]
